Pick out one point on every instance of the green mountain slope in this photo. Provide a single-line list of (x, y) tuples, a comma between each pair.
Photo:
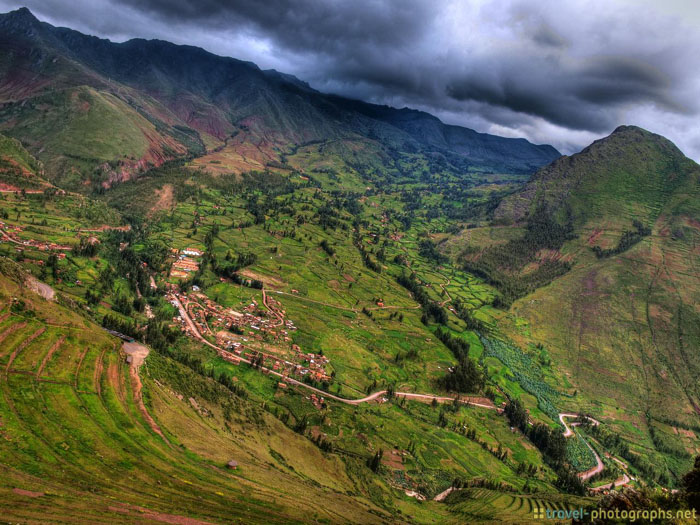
[(318, 452), (79, 445), (93, 136), (631, 175), (19, 170), (361, 306), (618, 288)]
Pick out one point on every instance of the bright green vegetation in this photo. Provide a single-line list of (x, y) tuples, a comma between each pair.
[(73, 374), (621, 322), (334, 307), (409, 263), (372, 281), (74, 437), (522, 369)]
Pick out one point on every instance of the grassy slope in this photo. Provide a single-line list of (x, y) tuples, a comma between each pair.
[(77, 131), (94, 458), (361, 349), (631, 174), (11, 150), (623, 329), (18, 168)]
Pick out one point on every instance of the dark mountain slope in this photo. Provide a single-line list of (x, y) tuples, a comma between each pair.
[(481, 147), (195, 100)]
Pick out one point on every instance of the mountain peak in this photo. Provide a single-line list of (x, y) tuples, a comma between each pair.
[(21, 20), (630, 167), (625, 128), (629, 130), (626, 135), (23, 14)]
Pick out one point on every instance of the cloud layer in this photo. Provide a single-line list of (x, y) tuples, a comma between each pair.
[(564, 73)]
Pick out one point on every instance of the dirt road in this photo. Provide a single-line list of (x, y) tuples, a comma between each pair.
[(138, 353), (622, 480), (567, 431), (599, 467), (371, 397), (422, 397)]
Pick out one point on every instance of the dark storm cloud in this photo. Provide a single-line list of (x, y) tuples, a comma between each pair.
[(377, 46), (547, 37), (557, 72), (307, 25), (577, 96)]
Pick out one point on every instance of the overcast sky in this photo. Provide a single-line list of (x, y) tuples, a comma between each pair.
[(563, 73)]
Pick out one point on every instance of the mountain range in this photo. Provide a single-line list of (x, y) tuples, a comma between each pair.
[(147, 101), (226, 296)]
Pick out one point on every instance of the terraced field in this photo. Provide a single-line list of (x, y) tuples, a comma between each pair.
[(489, 506), (76, 447)]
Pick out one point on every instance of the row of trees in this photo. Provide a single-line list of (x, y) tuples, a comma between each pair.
[(431, 310), (501, 265), (629, 238)]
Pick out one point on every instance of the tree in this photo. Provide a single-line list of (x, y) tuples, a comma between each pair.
[(375, 461), (516, 414), (691, 485), (465, 377)]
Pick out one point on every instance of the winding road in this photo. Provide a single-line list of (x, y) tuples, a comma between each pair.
[(372, 397), (568, 432), (599, 467)]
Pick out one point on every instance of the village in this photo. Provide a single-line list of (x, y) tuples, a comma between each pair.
[(8, 233), (260, 334)]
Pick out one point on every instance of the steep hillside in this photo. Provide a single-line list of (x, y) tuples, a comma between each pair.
[(256, 275), (150, 101), (615, 231), (19, 170), (632, 174), (94, 137), (373, 315), (79, 442)]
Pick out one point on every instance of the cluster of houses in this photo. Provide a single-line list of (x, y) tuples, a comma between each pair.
[(312, 364), (317, 401), (184, 263), (9, 234), (253, 324)]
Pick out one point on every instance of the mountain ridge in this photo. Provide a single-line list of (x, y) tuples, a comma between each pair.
[(616, 160), (186, 89)]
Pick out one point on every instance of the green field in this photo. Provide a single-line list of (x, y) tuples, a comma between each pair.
[(331, 294)]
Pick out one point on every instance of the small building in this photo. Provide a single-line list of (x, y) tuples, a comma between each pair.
[(233, 464)]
